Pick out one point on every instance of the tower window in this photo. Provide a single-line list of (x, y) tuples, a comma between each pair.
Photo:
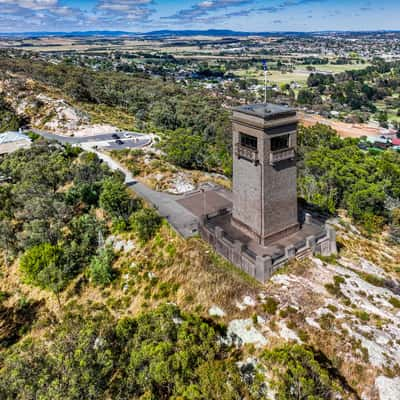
[(248, 141), (280, 143)]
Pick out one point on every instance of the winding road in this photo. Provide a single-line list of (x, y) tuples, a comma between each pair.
[(179, 217)]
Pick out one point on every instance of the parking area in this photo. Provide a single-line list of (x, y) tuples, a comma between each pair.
[(108, 141), (123, 141)]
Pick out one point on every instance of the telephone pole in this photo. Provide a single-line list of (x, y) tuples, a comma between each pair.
[(265, 67)]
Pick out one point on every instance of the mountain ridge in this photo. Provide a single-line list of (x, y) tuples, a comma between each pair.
[(171, 33)]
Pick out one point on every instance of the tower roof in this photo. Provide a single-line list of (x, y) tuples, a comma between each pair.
[(266, 111)]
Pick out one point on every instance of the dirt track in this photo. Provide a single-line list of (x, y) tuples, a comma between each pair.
[(344, 129)]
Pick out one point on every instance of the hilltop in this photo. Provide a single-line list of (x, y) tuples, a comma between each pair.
[(101, 298)]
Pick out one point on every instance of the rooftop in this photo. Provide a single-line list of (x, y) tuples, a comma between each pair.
[(266, 110), (10, 137)]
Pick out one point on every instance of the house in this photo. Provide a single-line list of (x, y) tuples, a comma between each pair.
[(396, 141), (12, 141)]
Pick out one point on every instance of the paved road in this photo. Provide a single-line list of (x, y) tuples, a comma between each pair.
[(179, 217)]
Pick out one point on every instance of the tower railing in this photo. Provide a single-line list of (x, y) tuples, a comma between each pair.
[(247, 153), (281, 155)]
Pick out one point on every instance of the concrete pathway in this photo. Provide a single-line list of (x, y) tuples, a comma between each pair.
[(179, 217)]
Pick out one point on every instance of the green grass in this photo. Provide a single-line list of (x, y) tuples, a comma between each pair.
[(336, 68), (275, 77), (300, 74)]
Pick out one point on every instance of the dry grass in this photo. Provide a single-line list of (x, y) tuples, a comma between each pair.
[(186, 272), (103, 114), (376, 248), (160, 175)]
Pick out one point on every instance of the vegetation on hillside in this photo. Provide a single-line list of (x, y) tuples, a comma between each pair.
[(180, 112), (334, 173), (160, 354), (48, 211), (355, 91), (8, 119), (55, 213)]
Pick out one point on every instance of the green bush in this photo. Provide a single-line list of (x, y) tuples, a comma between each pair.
[(119, 225), (395, 302), (270, 306), (298, 374), (115, 200), (100, 269), (145, 223), (41, 262), (334, 173), (160, 354), (362, 315)]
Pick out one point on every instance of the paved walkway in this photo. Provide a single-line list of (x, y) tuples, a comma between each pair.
[(178, 216), (166, 204)]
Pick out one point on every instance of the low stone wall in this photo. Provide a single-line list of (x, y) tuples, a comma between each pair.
[(262, 268)]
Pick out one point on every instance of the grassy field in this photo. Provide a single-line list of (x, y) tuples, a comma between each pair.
[(336, 68), (276, 77), (391, 112), (299, 75)]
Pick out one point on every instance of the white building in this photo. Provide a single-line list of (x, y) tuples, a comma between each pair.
[(12, 141)]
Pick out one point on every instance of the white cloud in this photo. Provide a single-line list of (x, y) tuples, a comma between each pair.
[(123, 11), (36, 14)]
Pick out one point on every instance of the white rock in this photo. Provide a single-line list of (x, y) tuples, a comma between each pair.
[(388, 388), (287, 333), (215, 311), (181, 184), (249, 301), (129, 245), (246, 302), (151, 275), (246, 332), (312, 322)]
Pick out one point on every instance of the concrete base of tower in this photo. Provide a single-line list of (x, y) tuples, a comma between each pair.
[(260, 259)]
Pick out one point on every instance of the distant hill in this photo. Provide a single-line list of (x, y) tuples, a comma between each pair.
[(65, 34), (172, 33)]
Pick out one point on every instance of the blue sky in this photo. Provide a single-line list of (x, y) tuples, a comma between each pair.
[(244, 15)]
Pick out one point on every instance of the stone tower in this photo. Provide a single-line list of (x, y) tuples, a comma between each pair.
[(264, 171)]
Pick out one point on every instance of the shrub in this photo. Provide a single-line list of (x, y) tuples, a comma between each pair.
[(327, 321), (145, 223), (298, 374), (114, 198), (303, 335), (395, 302), (372, 279), (332, 308), (40, 263), (334, 288), (338, 280), (362, 315), (4, 296), (271, 305), (119, 225), (100, 269)]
